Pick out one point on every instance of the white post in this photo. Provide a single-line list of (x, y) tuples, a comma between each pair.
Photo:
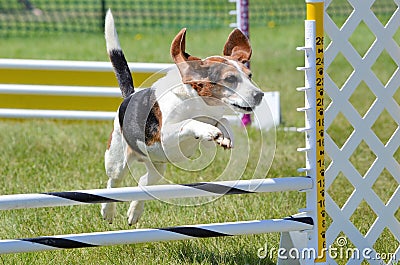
[(300, 240), (310, 131)]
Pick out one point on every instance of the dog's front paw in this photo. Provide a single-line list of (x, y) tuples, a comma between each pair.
[(226, 143), (108, 211), (208, 133), (135, 212)]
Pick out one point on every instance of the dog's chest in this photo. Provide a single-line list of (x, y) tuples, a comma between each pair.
[(175, 109)]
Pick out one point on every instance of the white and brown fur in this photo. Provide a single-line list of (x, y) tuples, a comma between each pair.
[(180, 111)]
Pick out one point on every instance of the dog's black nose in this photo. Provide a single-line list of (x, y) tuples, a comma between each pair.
[(258, 95)]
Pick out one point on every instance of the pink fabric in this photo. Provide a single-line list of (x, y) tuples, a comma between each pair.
[(246, 119)]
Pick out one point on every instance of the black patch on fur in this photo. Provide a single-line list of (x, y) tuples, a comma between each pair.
[(122, 110), (140, 121), (122, 72)]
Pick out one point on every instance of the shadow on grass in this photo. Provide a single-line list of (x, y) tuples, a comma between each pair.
[(189, 253)]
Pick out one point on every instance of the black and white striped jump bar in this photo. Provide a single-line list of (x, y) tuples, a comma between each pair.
[(52, 199), (151, 235)]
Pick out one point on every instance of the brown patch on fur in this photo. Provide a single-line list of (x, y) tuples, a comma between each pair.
[(216, 59), (177, 50), (153, 125), (225, 60), (204, 89), (238, 46), (211, 93), (218, 68), (193, 69), (109, 141)]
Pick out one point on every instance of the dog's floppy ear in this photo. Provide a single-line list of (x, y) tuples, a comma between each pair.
[(238, 46), (189, 66)]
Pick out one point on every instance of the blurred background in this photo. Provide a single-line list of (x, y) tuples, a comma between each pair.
[(32, 17)]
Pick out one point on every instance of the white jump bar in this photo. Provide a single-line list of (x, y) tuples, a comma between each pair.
[(88, 91), (80, 65), (52, 199), (110, 238), (57, 114)]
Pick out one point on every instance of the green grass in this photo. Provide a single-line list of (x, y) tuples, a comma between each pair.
[(44, 156), (52, 156)]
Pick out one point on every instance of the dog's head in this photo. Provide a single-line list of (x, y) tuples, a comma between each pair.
[(220, 79)]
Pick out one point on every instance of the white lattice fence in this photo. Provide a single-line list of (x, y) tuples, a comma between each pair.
[(363, 109)]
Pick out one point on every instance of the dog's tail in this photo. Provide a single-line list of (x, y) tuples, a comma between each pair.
[(117, 57)]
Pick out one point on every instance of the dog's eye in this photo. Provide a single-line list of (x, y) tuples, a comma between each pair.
[(231, 79)]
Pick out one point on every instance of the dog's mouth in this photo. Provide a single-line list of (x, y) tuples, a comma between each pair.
[(242, 109), (238, 106)]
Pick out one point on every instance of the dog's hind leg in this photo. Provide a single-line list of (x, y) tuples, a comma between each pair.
[(116, 164), (155, 171)]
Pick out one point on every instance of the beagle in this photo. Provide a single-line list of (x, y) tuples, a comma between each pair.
[(169, 120)]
